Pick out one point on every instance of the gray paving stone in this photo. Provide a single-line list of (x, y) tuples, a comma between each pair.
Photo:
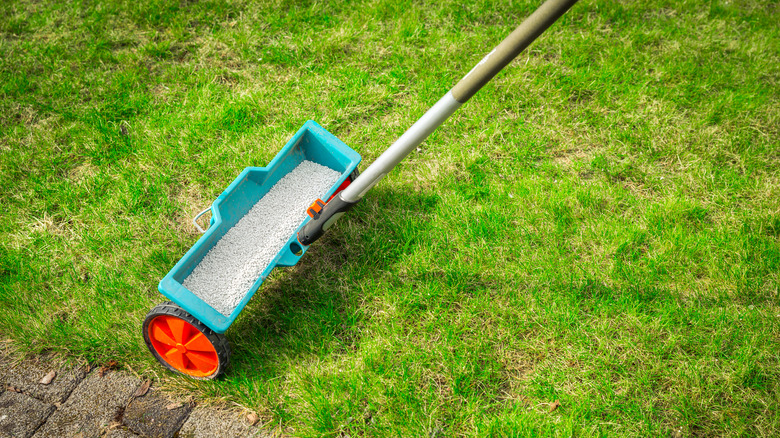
[(149, 415), (26, 376), (21, 415), (208, 422), (120, 433), (4, 363), (92, 406)]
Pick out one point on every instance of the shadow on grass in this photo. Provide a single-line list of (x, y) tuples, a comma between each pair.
[(313, 309)]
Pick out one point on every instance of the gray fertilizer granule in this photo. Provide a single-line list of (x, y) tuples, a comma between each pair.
[(232, 266)]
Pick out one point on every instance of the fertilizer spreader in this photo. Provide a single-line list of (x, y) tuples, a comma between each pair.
[(268, 217)]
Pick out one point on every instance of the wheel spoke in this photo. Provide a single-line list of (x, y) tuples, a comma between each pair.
[(178, 328), (159, 334), (199, 342), (203, 363), (176, 359)]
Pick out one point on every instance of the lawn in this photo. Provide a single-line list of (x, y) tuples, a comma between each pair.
[(599, 226)]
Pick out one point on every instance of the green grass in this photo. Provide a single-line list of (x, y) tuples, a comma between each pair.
[(600, 225)]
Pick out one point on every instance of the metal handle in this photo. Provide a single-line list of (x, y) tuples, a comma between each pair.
[(195, 220), (507, 50), (489, 66), (482, 73)]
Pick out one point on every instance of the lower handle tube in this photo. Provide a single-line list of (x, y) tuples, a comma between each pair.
[(412, 138)]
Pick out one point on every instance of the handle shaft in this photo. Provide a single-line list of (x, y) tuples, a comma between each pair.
[(482, 73), (507, 50), (406, 143)]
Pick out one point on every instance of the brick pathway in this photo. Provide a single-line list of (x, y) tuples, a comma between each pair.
[(85, 403)]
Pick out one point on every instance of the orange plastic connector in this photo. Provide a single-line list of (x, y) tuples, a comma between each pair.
[(183, 346), (315, 209)]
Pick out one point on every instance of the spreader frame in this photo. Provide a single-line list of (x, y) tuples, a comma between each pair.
[(312, 142)]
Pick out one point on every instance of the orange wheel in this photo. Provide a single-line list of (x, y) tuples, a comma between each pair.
[(183, 344)]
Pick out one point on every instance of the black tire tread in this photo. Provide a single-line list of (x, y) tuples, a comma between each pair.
[(218, 340)]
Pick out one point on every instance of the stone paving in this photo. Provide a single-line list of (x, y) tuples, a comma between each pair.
[(86, 402)]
